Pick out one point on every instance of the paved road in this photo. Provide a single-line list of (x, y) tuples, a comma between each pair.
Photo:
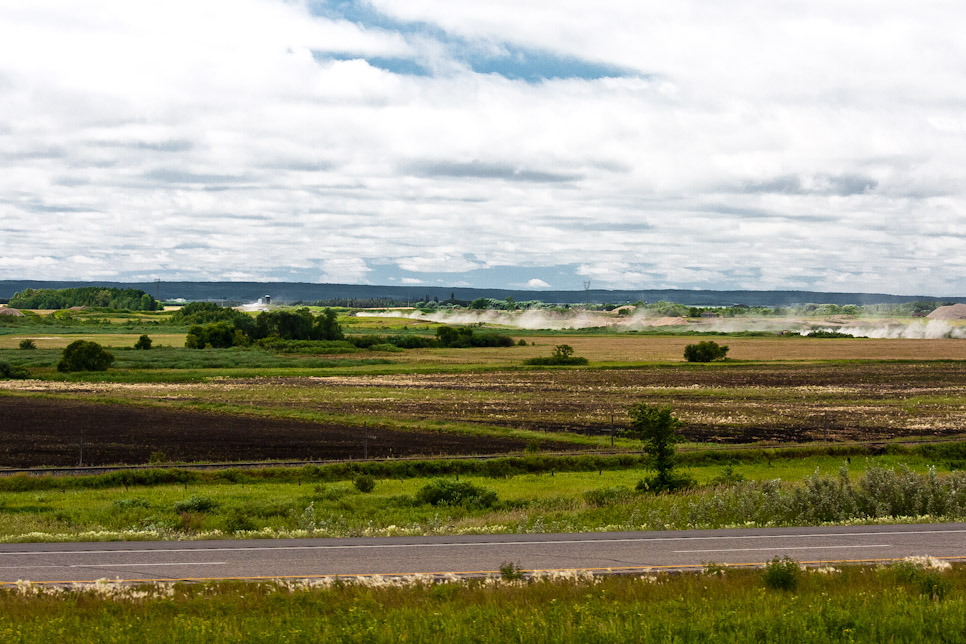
[(617, 551)]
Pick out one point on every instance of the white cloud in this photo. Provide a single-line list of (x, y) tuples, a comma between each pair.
[(537, 283), (344, 270), (754, 145)]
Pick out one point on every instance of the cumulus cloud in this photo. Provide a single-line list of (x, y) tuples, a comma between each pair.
[(753, 145)]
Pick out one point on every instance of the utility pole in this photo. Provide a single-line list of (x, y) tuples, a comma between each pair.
[(587, 293)]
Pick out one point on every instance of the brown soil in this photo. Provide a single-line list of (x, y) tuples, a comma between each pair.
[(42, 432)]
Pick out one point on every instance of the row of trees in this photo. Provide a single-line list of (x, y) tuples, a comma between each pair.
[(229, 328), (93, 296)]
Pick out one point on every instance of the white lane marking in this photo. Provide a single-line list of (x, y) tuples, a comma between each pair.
[(784, 548), (118, 565), (549, 542)]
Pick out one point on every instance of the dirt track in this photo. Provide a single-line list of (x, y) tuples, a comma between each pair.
[(44, 432)]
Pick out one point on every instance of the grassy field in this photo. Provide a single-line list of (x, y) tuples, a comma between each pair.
[(910, 601), (533, 494)]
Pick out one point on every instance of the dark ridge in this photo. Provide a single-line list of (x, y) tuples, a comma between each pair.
[(292, 292)]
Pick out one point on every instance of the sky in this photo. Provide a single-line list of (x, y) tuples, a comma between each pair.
[(754, 144)]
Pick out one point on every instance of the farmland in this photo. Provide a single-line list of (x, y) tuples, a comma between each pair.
[(837, 397), (788, 431)]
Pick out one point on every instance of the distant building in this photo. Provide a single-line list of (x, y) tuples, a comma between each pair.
[(266, 300)]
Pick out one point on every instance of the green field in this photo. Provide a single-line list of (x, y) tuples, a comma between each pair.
[(910, 601)]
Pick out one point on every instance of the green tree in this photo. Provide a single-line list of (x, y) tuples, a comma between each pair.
[(563, 351), (327, 327), (83, 355), (143, 343), (657, 428), (705, 351), (27, 344)]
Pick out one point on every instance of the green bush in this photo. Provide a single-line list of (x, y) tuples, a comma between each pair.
[(386, 347), (782, 574), (196, 504), (448, 492), (143, 343), (8, 371), (705, 351), (27, 344), (83, 355), (563, 354), (365, 483), (239, 520), (607, 496)]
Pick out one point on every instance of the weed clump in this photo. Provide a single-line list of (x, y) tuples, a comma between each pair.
[(924, 574), (510, 571), (782, 574)]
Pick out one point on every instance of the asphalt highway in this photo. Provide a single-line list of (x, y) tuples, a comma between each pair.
[(471, 555)]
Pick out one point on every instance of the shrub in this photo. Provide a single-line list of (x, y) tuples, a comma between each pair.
[(196, 504), (510, 571), (448, 493), (563, 354), (365, 483), (705, 351), (390, 348), (143, 343), (27, 344), (239, 520), (782, 574), (7, 370), (607, 496), (83, 355)]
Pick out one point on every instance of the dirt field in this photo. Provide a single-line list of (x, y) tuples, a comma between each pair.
[(782, 402), (43, 432)]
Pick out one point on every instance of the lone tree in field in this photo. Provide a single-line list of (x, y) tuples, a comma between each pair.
[(705, 351), (657, 428), (83, 355)]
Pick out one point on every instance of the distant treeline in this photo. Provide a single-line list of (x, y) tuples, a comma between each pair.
[(92, 296), (329, 294)]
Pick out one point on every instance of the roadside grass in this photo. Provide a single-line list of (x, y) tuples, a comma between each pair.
[(324, 501), (845, 604)]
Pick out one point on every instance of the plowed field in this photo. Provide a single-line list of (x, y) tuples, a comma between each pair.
[(44, 432)]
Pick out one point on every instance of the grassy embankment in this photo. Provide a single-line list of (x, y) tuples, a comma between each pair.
[(911, 601), (534, 494)]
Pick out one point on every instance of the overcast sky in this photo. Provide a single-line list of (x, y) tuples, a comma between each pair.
[(803, 144)]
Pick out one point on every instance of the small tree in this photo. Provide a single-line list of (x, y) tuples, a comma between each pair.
[(563, 351), (705, 351), (143, 343), (27, 344), (83, 355), (657, 428)]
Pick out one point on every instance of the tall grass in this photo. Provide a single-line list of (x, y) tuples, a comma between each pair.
[(859, 604), (240, 504)]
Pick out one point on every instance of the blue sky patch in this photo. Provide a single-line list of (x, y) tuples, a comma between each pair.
[(512, 61)]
